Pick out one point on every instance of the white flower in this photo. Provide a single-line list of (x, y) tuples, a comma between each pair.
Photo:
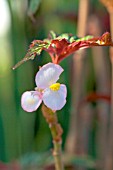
[(51, 93)]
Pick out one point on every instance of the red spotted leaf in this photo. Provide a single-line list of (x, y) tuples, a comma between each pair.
[(60, 47)]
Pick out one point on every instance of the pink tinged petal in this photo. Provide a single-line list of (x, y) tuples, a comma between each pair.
[(31, 100), (55, 100), (48, 75)]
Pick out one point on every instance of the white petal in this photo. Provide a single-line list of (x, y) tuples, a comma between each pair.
[(31, 100), (55, 100), (47, 75)]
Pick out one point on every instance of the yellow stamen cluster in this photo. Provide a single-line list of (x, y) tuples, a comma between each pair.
[(55, 87)]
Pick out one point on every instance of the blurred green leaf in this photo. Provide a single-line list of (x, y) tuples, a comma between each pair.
[(40, 159), (2, 141), (34, 5), (85, 161)]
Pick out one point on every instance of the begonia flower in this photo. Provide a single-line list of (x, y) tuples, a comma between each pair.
[(47, 89)]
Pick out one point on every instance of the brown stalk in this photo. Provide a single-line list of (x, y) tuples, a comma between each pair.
[(74, 141), (109, 157), (109, 154), (102, 82)]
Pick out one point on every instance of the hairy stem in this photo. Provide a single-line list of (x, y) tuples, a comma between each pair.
[(56, 132), (57, 149)]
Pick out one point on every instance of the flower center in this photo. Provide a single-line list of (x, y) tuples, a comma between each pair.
[(55, 87)]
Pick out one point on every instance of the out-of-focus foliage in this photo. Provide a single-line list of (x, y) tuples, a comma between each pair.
[(22, 132), (33, 6)]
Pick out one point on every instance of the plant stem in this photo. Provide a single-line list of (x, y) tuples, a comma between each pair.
[(56, 132), (57, 150)]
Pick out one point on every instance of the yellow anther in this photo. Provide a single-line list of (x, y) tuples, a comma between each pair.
[(55, 86)]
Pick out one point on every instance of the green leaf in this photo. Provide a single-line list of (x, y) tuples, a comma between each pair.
[(52, 34), (34, 5), (63, 36)]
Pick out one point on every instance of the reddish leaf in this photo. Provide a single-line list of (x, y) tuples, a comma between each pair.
[(59, 47), (104, 40)]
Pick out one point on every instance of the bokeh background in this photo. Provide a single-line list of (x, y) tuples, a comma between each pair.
[(25, 139)]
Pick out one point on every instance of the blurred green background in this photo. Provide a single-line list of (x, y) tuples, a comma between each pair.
[(22, 21)]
